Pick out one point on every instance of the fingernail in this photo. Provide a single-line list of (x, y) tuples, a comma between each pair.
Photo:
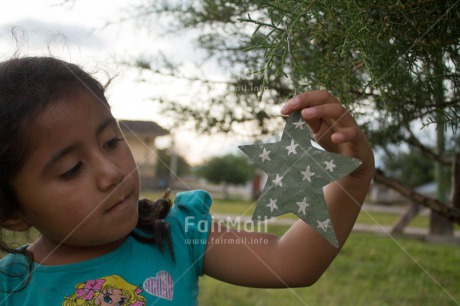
[(284, 109), (293, 102)]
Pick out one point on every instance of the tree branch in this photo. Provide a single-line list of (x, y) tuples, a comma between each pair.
[(452, 214), (412, 140), (442, 105)]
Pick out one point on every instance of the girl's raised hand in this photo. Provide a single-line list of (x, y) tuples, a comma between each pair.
[(333, 126)]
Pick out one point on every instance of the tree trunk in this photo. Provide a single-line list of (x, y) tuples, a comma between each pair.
[(454, 196), (225, 190), (451, 213), (439, 224), (405, 219), (172, 165)]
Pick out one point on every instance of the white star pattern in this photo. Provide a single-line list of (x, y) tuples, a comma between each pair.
[(277, 181), (299, 124), (324, 225), (292, 147), (307, 174), (330, 165), (303, 205), (297, 172), (264, 156), (272, 204)]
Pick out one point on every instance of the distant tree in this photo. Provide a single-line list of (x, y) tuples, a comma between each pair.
[(413, 168), (227, 170)]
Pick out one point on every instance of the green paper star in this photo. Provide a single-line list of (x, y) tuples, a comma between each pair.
[(297, 173)]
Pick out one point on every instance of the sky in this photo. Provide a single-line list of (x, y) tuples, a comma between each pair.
[(89, 33)]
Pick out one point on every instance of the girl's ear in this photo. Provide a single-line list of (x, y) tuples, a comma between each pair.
[(16, 223)]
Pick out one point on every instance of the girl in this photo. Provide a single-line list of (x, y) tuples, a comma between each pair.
[(67, 171)]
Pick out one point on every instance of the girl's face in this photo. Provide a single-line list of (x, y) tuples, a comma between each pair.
[(79, 185)]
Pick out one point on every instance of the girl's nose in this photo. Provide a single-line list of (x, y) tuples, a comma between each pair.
[(108, 174)]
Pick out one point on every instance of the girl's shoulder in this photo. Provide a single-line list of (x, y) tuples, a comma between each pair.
[(191, 202), (191, 211), (190, 224)]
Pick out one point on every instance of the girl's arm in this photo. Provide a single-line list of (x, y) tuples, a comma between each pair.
[(301, 255)]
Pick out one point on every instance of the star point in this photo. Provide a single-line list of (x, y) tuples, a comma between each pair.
[(324, 225), (292, 147), (264, 156), (272, 205), (303, 205), (299, 124), (330, 165), (278, 180), (307, 174)]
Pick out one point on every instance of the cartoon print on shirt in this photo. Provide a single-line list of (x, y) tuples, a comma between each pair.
[(108, 290)]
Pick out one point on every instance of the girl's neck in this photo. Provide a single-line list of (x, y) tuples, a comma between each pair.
[(50, 253)]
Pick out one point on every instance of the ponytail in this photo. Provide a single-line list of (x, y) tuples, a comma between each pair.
[(151, 220)]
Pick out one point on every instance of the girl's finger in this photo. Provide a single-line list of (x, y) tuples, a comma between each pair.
[(343, 135), (331, 112), (308, 99)]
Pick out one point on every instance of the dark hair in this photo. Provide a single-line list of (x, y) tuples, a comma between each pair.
[(27, 86)]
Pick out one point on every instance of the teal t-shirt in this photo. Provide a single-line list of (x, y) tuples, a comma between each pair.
[(136, 273)]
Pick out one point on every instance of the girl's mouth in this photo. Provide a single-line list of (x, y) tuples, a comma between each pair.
[(123, 203)]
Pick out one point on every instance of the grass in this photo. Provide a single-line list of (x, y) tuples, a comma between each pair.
[(369, 271)]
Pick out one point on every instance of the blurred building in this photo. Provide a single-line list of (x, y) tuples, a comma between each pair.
[(141, 136)]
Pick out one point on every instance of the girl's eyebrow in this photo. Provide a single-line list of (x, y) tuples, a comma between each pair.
[(67, 150), (107, 121)]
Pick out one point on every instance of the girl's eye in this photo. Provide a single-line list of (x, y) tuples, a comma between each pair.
[(112, 143), (70, 174)]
